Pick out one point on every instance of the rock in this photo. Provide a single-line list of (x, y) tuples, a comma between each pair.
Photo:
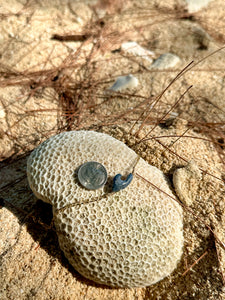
[(134, 49), (165, 61), (201, 38), (186, 182), (129, 238), (195, 5), (124, 82)]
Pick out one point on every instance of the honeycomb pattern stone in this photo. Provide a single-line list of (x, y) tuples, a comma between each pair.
[(130, 238)]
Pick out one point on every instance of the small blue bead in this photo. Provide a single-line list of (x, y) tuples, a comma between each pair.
[(119, 184)]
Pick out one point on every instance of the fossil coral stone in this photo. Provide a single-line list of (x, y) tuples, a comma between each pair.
[(130, 238)]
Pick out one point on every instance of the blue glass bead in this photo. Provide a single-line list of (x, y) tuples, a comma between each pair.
[(119, 184)]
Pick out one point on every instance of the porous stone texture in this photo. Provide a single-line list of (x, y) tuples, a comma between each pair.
[(130, 238), (186, 182)]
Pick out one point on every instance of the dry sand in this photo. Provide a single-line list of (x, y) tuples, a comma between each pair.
[(33, 107)]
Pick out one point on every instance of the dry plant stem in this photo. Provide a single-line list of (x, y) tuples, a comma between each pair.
[(219, 260), (182, 72), (159, 97), (174, 153), (71, 37), (204, 254), (216, 132), (16, 207), (172, 107), (15, 182)]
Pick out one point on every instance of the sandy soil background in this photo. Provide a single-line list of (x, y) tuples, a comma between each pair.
[(56, 61)]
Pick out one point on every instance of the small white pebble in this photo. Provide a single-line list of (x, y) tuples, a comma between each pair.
[(136, 50), (2, 112), (196, 5), (124, 82), (165, 61), (173, 114), (186, 182), (79, 20)]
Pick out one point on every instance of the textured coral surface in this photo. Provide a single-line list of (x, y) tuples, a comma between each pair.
[(129, 238)]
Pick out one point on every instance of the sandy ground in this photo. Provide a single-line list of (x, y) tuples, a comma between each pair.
[(34, 105)]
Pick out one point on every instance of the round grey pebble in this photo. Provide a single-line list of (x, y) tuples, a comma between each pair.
[(92, 175)]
